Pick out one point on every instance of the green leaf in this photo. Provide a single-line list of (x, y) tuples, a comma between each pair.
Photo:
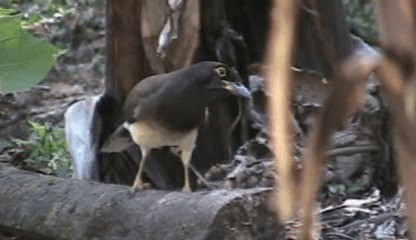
[(24, 59), (4, 11)]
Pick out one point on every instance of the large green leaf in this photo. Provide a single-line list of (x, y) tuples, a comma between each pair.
[(24, 59)]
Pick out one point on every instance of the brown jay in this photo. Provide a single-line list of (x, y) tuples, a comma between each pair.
[(166, 110)]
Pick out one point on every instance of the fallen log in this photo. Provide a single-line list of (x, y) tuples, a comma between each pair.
[(46, 207)]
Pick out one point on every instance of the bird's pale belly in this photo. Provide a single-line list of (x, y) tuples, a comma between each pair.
[(152, 136)]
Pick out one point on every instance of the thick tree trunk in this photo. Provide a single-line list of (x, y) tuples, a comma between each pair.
[(126, 60), (54, 208), (323, 36), (126, 65)]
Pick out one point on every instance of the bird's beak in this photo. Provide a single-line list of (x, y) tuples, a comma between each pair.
[(237, 89)]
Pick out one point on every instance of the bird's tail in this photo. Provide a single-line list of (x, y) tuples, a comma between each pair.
[(118, 141)]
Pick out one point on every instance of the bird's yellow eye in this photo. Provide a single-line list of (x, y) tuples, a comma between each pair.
[(221, 71)]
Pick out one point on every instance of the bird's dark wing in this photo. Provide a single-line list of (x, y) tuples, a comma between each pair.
[(173, 100), (141, 93)]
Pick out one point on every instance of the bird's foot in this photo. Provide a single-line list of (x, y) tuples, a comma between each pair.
[(186, 189), (136, 188), (140, 185)]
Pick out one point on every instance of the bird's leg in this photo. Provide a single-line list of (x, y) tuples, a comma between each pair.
[(138, 183), (186, 158)]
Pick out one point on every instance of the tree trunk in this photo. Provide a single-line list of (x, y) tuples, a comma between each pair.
[(126, 62)]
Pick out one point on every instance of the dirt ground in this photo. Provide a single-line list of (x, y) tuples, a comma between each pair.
[(359, 197)]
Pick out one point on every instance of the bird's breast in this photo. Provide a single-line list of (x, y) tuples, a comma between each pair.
[(153, 136)]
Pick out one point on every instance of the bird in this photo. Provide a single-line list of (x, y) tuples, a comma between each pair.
[(166, 110)]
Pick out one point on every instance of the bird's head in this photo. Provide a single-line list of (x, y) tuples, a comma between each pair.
[(222, 80)]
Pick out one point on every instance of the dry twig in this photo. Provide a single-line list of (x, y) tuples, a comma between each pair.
[(398, 78), (280, 59)]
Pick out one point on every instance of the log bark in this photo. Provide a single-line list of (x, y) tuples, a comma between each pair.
[(45, 207)]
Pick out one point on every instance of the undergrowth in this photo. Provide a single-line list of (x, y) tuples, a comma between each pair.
[(47, 147)]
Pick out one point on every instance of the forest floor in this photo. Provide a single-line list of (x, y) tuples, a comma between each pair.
[(359, 197)]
